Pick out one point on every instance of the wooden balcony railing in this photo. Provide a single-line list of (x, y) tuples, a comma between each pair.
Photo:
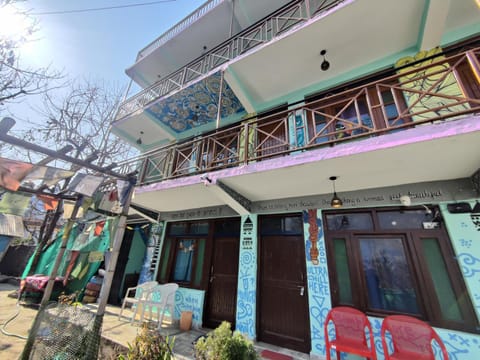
[(435, 90), (261, 32)]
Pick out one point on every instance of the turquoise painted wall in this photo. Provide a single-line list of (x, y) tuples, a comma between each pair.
[(464, 231), (135, 257), (247, 277)]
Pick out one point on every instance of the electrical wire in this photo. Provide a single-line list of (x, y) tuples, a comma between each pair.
[(101, 8), (4, 325)]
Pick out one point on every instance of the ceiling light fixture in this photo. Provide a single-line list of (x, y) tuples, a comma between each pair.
[(336, 201), (139, 140), (325, 64)]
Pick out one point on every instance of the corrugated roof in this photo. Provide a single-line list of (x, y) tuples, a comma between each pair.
[(11, 225)]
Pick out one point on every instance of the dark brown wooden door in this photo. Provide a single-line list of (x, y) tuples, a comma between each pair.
[(222, 288), (283, 302)]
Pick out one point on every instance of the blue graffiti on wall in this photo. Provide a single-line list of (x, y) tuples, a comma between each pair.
[(317, 277), (247, 278), (190, 300)]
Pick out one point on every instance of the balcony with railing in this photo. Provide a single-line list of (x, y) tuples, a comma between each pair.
[(264, 31), (179, 27), (435, 90)]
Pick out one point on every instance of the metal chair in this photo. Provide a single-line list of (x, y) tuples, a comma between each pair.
[(350, 336), (135, 295), (159, 299), (411, 339)]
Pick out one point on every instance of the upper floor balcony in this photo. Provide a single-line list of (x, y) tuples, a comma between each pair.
[(201, 33), (437, 89), (275, 60)]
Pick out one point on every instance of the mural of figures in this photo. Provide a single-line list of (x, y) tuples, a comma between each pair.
[(247, 277)]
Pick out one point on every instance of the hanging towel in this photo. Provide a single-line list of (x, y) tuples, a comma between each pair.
[(99, 227), (49, 202), (12, 173)]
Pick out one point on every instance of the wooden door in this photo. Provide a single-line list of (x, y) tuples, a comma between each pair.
[(222, 289), (282, 301)]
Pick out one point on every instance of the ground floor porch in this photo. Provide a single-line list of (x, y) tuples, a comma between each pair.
[(16, 320)]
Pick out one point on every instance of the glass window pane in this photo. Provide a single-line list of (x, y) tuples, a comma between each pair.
[(199, 228), (343, 275), (411, 219), (355, 221), (164, 263), (387, 275), (320, 123), (441, 281), (290, 225), (199, 264), (227, 227), (182, 270), (179, 228)]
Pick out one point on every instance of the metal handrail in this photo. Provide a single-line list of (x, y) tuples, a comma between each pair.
[(424, 94), (264, 31)]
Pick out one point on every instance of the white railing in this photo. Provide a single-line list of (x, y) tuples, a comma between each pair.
[(178, 28), (262, 32)]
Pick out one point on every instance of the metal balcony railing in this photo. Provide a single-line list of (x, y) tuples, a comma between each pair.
[(443, 89), (178, 28), (261, 32)]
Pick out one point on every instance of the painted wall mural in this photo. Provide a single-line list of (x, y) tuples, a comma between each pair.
[(317, 278), (197, 105), (247, 277), (146, 273), (460, 346), (465, 235), (190, 300), (429, 88)]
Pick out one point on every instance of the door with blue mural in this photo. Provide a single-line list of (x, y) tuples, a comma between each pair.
[(283, 300)]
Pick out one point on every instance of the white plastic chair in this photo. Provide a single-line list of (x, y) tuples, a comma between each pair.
[(136, 295), (160, 298)]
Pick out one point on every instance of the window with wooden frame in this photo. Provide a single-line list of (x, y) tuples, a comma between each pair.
[(187, 250), (396, 261), (183, 255)]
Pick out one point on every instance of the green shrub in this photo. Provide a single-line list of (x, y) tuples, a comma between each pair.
[(149, 345), (222, 344)]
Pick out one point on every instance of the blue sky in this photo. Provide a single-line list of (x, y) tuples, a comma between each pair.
[(99, 44), (95, 45)]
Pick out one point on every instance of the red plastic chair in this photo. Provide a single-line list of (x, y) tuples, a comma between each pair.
[(350, 336), (411, 339)]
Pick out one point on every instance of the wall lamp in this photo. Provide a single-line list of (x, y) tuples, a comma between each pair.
[(206, 180), (325, 65), (336, 201)]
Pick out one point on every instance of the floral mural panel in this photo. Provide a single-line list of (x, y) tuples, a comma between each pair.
[(197, 105)]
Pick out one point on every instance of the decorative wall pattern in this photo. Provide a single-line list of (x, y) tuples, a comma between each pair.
[(460, 346), (435, 84), (247, 277), (190, 300), (465, 238), (317, 278), (146, 273), (197, 105)]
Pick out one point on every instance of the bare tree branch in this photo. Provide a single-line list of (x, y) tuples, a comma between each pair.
[(18, 81)]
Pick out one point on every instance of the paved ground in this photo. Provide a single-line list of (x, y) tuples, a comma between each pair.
[(16, 320)]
